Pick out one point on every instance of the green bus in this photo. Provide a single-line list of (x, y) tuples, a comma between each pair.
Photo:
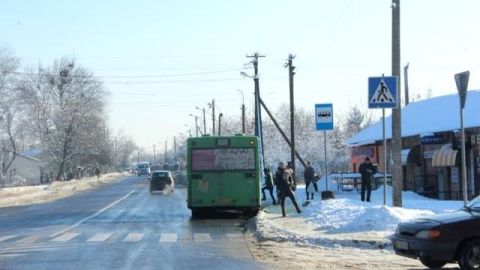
[(223, 173)]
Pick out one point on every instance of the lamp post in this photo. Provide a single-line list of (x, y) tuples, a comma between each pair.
[(258, 117), (243, 111), (204, 120), (196, 124), (220, 124)]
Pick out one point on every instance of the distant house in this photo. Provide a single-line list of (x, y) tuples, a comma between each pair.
[(431, 142), (29, 168)]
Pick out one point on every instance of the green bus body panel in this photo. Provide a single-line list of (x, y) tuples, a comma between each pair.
[(235, 189)]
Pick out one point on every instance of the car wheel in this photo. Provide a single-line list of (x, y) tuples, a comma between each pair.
[(432, 263), (470, 256)]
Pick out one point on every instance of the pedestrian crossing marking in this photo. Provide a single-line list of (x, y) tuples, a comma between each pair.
[(133, 237), (65, 237), (382, 94), (130, 237), (202, 237), (234, 236), (6, 237), (99, 237), (168, 237), (29, 239)]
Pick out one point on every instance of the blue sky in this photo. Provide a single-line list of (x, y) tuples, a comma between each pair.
[(338, 45)]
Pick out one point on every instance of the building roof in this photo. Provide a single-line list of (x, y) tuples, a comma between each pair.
[(431, 115)]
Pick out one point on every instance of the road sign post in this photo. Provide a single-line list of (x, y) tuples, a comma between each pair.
[(461, 79), (383, 93), (324, 121)]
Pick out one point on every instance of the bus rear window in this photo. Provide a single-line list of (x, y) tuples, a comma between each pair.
[(224, 159)]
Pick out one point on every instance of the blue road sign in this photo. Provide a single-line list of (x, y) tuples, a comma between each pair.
[(324, 116), (383, 92)]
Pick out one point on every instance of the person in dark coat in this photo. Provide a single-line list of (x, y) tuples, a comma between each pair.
[(268, 185), (309, 176), (367, 170), (284, 183)]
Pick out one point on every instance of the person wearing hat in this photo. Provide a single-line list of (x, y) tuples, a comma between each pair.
[(284, 183), (367, 170), (268, 185)]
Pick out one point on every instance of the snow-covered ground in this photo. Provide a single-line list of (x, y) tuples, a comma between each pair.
[(344, 221), (24, 195)]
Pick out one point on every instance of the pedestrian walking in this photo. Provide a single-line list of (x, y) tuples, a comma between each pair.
[(367, 170), (309, 176), (268, 185), (284, 183), (97, 172)]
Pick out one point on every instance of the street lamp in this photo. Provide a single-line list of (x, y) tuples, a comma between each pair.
[(258, 116), (204, 121), (243, 110), (196, 123), (220, 124)]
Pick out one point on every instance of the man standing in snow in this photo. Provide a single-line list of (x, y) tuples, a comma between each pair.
[(309, 176), (284, 183), (367, 170)]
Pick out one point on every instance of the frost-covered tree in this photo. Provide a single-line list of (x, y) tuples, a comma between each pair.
[(66, 105), (10, 109)]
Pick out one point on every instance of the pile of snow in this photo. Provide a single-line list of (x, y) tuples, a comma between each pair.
[(345, 220), (24, 195)]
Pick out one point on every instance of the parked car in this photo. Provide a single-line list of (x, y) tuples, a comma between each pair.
[(441, 239), (161, 180)]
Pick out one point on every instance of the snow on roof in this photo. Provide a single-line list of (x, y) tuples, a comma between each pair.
[(426, 116)]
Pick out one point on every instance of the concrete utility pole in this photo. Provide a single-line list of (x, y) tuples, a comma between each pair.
[(154, 154), (291, 72), (397, 179), (212, 105), (220, 124), (166, 157), (175, 145), (204, 122), (258, 111), (243, 111), (405, 75)]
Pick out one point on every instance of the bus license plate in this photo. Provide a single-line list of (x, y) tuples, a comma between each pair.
[(401, 245)]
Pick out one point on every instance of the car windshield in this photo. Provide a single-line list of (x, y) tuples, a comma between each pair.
[(474, 204)]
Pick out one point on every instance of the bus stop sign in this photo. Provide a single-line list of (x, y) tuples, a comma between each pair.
[(462, 84)]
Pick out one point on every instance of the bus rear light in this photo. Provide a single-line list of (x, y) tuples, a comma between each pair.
[(251, 142)]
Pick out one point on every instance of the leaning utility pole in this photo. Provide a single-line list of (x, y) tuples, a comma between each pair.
[(291, 72), (258, 111), (397, 179)]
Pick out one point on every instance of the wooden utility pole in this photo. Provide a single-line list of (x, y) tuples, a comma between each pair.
[(291, 72), (397, 179)]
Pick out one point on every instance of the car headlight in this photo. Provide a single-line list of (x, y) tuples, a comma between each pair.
[(428, 234)]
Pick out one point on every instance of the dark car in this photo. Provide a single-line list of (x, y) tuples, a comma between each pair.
[(442, 239), (160, 180)]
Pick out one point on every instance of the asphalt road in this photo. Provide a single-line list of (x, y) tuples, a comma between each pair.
[(120, 226)]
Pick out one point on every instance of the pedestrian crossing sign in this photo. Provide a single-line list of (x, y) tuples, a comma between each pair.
[(383, 92)]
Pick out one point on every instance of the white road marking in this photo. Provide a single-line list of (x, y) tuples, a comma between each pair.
[(6, 237), (92, 215), (133, 237), (234, 236), (100, 237), (202, 237), (65, 237), (29, 239), (168, 237)]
